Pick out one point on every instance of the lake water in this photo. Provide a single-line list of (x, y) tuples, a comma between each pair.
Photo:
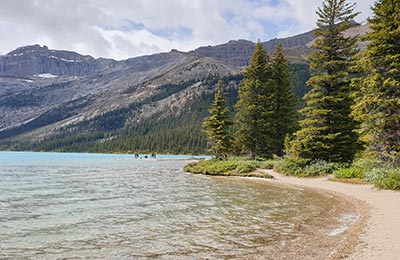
[(88, 206)]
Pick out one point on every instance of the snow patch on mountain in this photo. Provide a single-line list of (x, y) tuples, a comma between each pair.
[(46, 76)]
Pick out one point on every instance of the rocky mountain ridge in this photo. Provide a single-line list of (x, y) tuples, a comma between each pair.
[(49, 96), (36, 60), (237, 53)]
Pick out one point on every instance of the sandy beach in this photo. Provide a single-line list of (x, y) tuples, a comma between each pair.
[(377, 236)]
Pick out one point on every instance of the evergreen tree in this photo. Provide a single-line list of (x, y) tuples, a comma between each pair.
[(327, 132), (378, 97), (217, 125), (255, 107), (285, 116)]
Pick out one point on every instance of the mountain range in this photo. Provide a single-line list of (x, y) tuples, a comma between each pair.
[(65, 101)]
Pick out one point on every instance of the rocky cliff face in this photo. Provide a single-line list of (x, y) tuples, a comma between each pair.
[(36, 60), (237, 53), (296, 48)]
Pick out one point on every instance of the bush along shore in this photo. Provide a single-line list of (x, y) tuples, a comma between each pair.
[(234, 166), (361, 171)]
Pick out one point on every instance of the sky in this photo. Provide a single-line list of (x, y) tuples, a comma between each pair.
[(121, 29)]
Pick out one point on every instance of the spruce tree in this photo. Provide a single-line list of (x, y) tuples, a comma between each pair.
[(285, 115), (217, 125), (255, 107), (378, 91), (327, 132)]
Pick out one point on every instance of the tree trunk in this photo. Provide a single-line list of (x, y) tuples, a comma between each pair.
[(252, 156)]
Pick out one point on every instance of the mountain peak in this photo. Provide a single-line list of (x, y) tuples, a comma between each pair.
[(28, 49), (36, 59), (242, 41), (36, 49)]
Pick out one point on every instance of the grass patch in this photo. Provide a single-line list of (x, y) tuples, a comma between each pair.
[(235, 166)]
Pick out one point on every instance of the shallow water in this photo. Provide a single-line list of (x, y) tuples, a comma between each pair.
[(115, 207)]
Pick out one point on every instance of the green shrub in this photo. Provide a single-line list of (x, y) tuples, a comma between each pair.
[(236, 166), (245, 167), (391, 181), (257, 174), (190, 167), (377, 174), (268, 164), (349, 173), (305, 168), (357, 170), (213, 167), (222, 166), (319, 167), (364, 164), (290, 166)]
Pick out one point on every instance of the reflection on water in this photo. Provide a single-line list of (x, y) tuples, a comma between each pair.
[(115, 207)]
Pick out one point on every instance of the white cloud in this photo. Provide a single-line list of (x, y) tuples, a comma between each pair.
[(124, 28), (138, 42), (278, 14)]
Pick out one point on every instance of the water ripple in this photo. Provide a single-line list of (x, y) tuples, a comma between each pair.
[(124, 209)]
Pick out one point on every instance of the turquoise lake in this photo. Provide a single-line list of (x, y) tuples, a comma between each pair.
[(91, 206)]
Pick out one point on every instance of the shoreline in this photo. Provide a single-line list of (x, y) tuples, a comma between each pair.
[(376, 235)]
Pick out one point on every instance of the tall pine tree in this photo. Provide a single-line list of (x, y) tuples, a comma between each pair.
[(217, 125), (285, 116), (327, 132), (378, 97), (255, 107)]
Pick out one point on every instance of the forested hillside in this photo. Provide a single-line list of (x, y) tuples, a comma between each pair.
[(114, 131)]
